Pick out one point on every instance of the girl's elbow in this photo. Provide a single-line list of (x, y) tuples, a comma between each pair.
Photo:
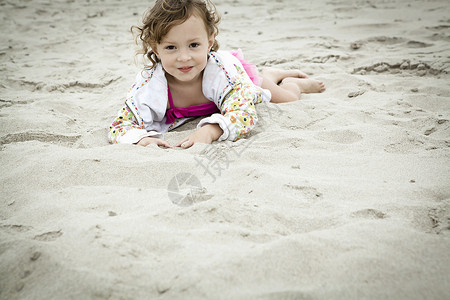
[(246, 124)]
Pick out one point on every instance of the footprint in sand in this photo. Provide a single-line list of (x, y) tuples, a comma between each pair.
[(48, 236)]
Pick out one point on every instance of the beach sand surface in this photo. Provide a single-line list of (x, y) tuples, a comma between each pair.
[(341, 195)]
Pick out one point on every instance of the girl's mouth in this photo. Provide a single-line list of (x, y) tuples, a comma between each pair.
[(185, 69)]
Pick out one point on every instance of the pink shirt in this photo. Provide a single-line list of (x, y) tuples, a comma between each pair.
[(191, 111)]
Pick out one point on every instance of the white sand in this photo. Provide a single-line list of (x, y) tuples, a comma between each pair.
[(332, 197)]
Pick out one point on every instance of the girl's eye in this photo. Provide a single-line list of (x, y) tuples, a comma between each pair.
[(194, 45), (170, 48)]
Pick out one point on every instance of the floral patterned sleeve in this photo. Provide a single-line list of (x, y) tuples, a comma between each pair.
[(123, 124), (238, 107)]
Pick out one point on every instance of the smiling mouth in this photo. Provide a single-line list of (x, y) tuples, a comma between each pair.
[(185, 69)]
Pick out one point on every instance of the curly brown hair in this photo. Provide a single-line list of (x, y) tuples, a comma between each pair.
[(165, 14)]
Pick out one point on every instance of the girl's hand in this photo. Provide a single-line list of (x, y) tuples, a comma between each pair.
[(206, 135), (150, 140)]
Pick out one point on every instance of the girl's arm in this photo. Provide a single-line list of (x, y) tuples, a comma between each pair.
[(150, 140), (238, 117), (239, 109), (238, 114), (205, 134), (125, 129)]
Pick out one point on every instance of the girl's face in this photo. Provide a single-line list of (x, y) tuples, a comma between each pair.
[(184, 50)]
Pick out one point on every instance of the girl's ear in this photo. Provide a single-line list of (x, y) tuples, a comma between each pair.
[(155, 50), (211, 40)]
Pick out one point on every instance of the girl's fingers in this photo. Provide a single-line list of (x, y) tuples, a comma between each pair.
[(165, 144), (180, 143), (186, 144)]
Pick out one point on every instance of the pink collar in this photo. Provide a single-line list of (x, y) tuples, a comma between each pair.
[(191, 111)]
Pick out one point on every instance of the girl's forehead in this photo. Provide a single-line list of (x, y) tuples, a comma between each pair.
[(194, 25)]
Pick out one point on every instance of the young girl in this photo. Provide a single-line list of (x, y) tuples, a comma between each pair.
[(189, 77)]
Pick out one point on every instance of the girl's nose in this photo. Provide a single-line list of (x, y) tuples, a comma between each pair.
[(184, 55)]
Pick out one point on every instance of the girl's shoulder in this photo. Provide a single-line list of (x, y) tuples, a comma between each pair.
[(149, 94), (223, 64), (145, 75), (224, 59), (222, 73), (148, 79)]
